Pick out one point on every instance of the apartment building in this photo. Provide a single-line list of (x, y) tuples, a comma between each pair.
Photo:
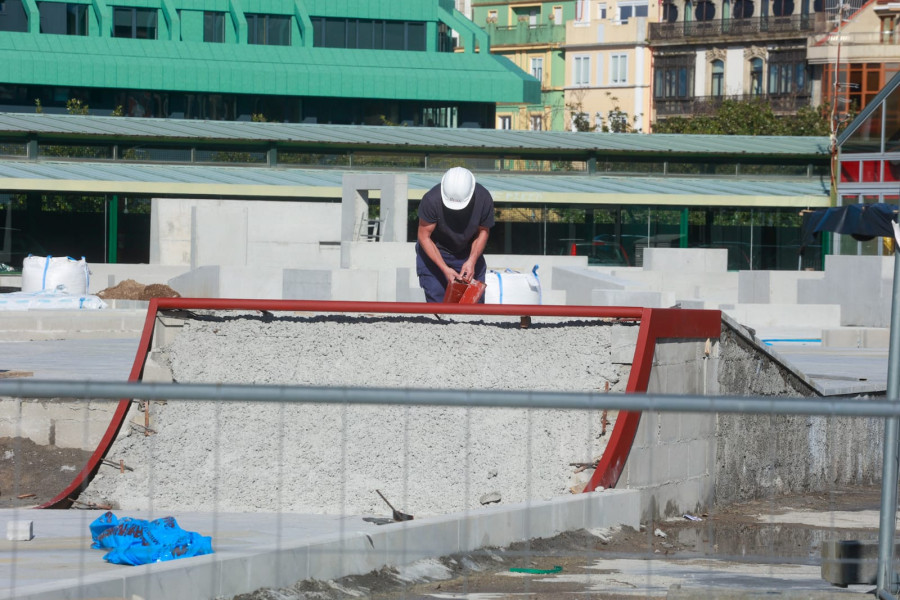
[(531, 35), (608, 64), (710, 50)]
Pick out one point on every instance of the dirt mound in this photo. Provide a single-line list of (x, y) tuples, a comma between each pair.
[(130, 289)]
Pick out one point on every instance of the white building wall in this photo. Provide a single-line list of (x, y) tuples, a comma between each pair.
[(640, 57), (734, 71), (700, 74)]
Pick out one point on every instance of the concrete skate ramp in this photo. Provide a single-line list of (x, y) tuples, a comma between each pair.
[(432, 460)]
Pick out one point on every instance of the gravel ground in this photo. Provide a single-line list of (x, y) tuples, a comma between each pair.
[(331, 459)]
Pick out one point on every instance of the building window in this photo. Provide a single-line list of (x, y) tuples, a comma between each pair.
[(717, 87), (268, 30), (782, 8), (533, 17), (214, 27), (887, 30), (135, 23), (537, 122), (12, 16), (537, 68), (504, 122), (601, 11), (581, 74), (492, 16), (705, 11), (63, 18), (618, 69), (756, 77), (787, 73), (743, 9), (628, 10), (582, 12), (669, 12), (674, 77), (367, 34), (558, 15)]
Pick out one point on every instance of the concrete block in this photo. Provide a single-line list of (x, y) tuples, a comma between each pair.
[(679, 461), (219, 234), (279, 568), (701, 456), (579, 283), (623, 342), (307, 284), (404, 544), (669, 427), (630, 298), (657, 382), (251, 282), (876, 337), (648, 430), (354, 284), (851, 562), (377, 255), (202, 282), (686, 260), (172, 581), (19, 531), (697, 426), (337, 558)]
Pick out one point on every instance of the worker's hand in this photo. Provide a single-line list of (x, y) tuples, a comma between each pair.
[(468, 270), (450, 274)]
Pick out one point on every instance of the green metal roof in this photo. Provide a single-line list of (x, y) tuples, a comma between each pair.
[(250, 182), (502, 142), (75, 61)]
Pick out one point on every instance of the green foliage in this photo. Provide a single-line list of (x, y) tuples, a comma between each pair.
[(118, 111), (258, 118), (38, 107), (751, 117), (74, 106)]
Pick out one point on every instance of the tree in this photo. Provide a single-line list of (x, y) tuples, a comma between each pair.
[(750, 117)]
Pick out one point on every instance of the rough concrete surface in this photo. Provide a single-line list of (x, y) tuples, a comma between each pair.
[(759, 455), (331, 459)]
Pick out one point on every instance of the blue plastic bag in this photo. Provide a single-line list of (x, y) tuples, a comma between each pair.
[(139, 542)]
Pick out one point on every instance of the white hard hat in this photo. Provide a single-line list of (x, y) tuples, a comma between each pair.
[(457, 187)]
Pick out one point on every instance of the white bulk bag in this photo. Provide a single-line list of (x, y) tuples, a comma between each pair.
[(61, 273), (512, 287)]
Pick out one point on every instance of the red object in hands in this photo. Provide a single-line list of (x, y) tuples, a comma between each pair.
[(461, 291)]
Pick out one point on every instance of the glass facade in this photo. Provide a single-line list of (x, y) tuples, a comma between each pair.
[(617, 235), (869, 165)]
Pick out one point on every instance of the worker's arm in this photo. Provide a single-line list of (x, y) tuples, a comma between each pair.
[(478, 244), (431, 250)]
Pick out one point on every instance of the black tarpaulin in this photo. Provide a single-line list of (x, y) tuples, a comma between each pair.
[(862, 221)]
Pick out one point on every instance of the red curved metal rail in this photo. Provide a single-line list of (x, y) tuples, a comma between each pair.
[(655, 324)]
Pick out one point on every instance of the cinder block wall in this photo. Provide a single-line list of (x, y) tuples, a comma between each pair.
[(672, 459)]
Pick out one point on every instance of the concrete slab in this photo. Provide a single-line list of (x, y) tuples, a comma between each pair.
[(253, 550), (78, 359)]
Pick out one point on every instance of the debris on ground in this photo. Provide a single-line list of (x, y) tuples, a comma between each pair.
[(129, 289)]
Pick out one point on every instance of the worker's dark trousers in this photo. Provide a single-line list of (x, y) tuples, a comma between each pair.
[(433, 281)]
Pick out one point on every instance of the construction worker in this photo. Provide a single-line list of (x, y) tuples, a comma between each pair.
[(455, 219)]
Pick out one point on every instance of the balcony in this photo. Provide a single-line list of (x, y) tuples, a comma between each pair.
[(525, 34), (758, 28), (706, 105)]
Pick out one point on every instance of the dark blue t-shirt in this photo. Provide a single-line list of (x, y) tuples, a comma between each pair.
[(456, 229)]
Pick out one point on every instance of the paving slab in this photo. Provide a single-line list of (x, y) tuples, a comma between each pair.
[(253, 550)]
